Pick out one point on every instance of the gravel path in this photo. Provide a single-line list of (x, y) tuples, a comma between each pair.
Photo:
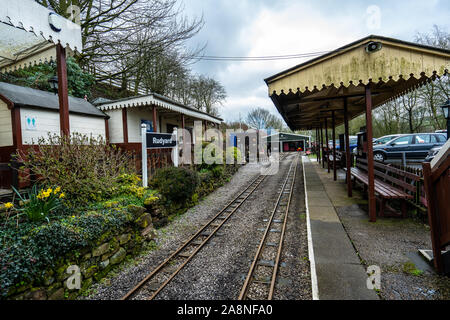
[(219, 269)]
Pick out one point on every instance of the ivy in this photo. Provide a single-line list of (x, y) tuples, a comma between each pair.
[(79, 82), (29, 249)]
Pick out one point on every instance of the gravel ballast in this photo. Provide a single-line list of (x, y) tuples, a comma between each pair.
[(218, 271)]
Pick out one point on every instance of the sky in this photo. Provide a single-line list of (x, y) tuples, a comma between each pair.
[(251, 28)]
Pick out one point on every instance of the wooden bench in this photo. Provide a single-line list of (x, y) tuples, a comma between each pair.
[(390, 184)]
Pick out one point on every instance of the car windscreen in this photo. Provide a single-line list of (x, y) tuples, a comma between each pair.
[(403, 140)]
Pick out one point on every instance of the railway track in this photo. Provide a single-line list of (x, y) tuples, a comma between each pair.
[(261, 278), (161, 276)]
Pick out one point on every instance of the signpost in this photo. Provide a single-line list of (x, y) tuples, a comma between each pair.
[(153, 140)]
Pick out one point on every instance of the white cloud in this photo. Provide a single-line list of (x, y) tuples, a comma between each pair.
[(290, 27)]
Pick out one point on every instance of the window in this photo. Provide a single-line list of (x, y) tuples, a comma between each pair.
[(385, 140), (441, 138), (403, 140), (149, 124), (422, 139)]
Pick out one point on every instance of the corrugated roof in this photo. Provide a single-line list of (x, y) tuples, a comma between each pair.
[(29, 97)]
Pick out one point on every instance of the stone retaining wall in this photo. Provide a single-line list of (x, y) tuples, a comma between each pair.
[(94, 262)]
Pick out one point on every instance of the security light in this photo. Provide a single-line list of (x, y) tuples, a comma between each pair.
[(445, 108), (53, 81)]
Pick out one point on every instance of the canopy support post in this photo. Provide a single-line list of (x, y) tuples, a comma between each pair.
[(347, 151), (326, 145), (321, 146), (155, 126), (317, 145), (370, 164), (333, 124), (63, 91), (125, 125)]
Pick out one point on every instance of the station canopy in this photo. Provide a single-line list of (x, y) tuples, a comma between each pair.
[(306, 94), (30, 32)]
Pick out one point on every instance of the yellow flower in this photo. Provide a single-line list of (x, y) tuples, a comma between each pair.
[(57, 190), (62, 195), (9, 205), (49, 190)]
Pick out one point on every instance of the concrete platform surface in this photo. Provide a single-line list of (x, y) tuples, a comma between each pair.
[(340, 275)]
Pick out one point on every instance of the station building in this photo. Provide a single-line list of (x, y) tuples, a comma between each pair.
[(28, 114), (290, 142)]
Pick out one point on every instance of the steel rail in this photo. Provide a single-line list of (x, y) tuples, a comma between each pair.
[(249, 279), (250, 189), (283, 231)]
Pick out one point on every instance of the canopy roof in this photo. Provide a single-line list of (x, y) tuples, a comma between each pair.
[(306, 94), (29, 33), (154, 99), (29, 97)]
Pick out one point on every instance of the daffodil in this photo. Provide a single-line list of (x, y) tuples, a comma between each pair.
[(57, 190), (62, 195), (9, 205)]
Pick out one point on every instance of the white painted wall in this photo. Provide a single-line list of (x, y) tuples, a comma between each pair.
[(115, 125), (47, 121), (134, 117), (6, 135), (86, 125)]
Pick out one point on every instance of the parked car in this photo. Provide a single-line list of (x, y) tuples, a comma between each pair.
[(432, 153), (330, 144), (353, 141), (385, 139), (415, 146)]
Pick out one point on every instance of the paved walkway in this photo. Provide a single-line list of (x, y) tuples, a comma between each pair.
[(340, 275)]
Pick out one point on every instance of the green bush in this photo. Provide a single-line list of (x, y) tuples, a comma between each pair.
[(218, 171), (29, 249), (176, 185), (87, 169)]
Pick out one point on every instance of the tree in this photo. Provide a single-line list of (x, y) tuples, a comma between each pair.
[(206, 94), (261, 118), (119, 35), (436, 91)]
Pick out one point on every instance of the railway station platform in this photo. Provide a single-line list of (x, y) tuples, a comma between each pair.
[(339, 274)]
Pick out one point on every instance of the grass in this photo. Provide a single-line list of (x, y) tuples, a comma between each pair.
[(410, 268)]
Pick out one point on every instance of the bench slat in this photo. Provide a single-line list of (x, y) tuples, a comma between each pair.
[(382, 188)]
